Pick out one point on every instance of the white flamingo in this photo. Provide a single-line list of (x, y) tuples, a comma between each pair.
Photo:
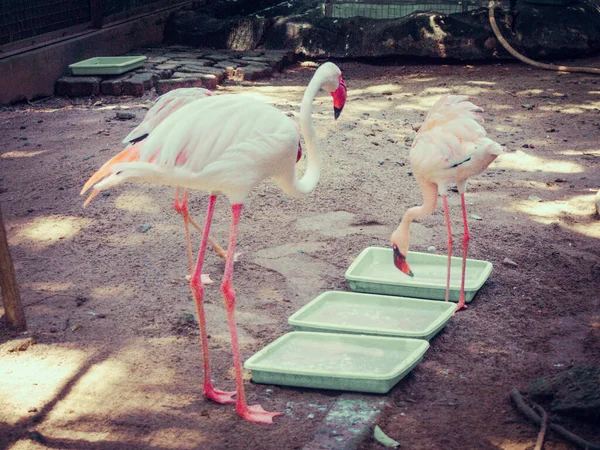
[(227, 144), (450, 147)]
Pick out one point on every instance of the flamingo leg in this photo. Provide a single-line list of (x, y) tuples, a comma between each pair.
[(197, 289), (182, 208), (465, 246), (450, 242), (254, 413)]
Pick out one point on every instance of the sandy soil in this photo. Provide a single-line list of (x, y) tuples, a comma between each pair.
[(117, 362)]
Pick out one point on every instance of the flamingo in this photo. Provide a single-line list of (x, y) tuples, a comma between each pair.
[(450, 147), (227, 144), (163, 106)]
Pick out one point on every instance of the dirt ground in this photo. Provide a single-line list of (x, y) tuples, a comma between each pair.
[(117, 362)]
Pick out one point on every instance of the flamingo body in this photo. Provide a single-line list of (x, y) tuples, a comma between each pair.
[(226, 144), (451, 146)]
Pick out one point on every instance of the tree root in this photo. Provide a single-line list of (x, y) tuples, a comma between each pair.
[(491, 8), (519, 402)]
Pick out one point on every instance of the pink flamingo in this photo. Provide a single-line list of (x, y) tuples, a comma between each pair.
[(164, 106), (228, 144), (450, 147)]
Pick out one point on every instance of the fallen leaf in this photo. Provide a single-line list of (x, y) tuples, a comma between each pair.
[(384, 439)]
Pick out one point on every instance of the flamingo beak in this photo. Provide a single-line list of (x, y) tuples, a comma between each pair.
[(339, 98), (400, 262)]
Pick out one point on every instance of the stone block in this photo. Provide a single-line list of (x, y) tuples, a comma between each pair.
[(163, 86), (228, 66), (252, 72), (71, 86), (138, 83), (113, 86)]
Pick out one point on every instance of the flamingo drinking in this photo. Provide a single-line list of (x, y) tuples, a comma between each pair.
[(227, 144), (450, 147)]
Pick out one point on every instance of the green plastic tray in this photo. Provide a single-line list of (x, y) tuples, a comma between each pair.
[(351, 312), (109, 65), (373, 271), (347, 362)]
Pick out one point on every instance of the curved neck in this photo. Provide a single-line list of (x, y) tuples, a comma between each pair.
[(401, 236), (313, 169)]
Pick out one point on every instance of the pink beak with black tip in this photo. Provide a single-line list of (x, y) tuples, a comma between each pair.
[(339, 98), (400, 262)]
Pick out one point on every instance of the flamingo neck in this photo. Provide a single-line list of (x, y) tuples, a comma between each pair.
[(311, 177), (401, 236)]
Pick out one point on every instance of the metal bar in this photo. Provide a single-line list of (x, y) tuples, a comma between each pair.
[(96, 13)]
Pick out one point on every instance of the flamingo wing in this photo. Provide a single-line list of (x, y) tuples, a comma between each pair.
[(451, 144), (225, 143), (164, 106)]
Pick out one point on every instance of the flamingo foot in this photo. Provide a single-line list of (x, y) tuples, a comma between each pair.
[(461, 307), (256, 413), (219, 396), (204, 278)]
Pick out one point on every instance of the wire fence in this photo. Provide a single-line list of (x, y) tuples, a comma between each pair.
[(22, 19), (26, 19), (394, 9)]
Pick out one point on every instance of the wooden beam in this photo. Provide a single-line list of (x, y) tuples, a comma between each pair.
[(11, 298)]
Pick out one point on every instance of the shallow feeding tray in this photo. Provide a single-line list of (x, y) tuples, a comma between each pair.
[(348, 362), (107, 65), (373, 271), (351, 312)]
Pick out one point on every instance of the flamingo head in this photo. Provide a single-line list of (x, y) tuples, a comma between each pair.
[(400, 250), (339, 97), (331, 80)]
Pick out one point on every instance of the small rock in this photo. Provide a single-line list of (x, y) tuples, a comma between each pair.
[(560, 180), (476, 217), (144, 228), (431, 248), (534, 198), (32, 410), (509, 262), (597, 201), (528, 106), (125, 115)]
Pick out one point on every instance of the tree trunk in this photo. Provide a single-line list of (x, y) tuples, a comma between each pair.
[(14, 313)]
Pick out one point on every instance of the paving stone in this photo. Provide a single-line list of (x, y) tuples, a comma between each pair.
[(157, 59), (163, 86), (113, 86), (275, 63), (78, 86), (138, 83), (184, 55), (218, 57), (253, 53), (191, 68), (252, 72), (228, 66)]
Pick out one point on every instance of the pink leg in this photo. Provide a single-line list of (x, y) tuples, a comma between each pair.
[(198, 293), (182, 208), (254, 413), (465, 244), (450, 242)]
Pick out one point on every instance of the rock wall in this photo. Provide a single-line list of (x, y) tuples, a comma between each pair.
[(538, 31)]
